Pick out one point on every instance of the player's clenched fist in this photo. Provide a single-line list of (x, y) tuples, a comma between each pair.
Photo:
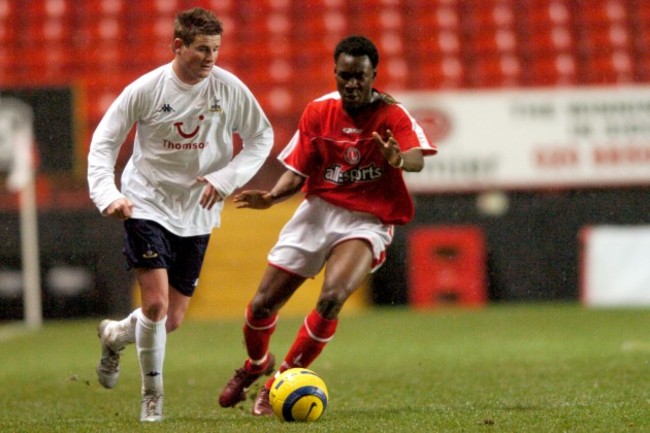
[(210, 196), (120, 209)]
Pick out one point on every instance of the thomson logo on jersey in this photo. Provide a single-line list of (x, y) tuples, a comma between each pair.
[(358, 174), (184, 146), (351, 131)]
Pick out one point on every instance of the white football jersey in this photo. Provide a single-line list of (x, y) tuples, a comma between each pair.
[(182, 132)]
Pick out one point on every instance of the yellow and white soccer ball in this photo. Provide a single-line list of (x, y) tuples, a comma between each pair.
[(298, 394)]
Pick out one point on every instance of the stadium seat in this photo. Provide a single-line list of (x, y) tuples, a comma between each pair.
[(391, 43), (551, 70), (220, 7), (491, 41), (99, 91), (439, 73), (43, 9), (277, 100), (446, 265), (600, 12), (548, 40), (434, 29), (600, 40), (495, 71), (486, 15), (643, 68), (608, 69), (147, 29), (395, 73), (8, 33), (9, 74), (100, 8), (326, 24), (542, 14)]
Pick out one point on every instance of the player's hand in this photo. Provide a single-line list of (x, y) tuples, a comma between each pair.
[(121, 209), (254, 199), (210, 196), (389, 148)]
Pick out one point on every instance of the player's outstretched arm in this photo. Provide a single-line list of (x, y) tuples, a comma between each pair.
[(254, 199), (288, 184)]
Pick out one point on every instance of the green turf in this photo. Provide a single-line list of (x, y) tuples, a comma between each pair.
[(505, 368)]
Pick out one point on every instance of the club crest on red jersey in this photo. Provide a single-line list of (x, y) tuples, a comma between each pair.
[(352, 155)]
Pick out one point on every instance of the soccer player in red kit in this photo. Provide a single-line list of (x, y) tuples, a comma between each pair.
[(347, 156)]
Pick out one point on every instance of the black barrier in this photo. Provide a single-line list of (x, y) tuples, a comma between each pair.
[(532, 248), (83, 271)]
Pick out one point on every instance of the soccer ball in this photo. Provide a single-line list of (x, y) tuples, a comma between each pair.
[(298, 394)]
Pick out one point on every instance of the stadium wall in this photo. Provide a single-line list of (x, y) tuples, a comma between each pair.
[(533, 252), (533, 244)]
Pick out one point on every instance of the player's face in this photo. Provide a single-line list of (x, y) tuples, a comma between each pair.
[(193, 63), (354, 78)]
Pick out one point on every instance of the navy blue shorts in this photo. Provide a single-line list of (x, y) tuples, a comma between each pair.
[(149, 245)]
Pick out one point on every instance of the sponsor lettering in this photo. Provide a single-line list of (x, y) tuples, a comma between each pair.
[(361, 174), (184, 146), (554, 157), (621, 155), (463, 167)]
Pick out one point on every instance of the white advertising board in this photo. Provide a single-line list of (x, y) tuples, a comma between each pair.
[(533, 138), (615, 269)]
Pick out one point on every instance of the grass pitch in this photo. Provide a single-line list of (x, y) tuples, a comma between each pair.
[(504, 368)]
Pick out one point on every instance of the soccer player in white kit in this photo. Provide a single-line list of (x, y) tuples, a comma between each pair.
[(172, 189), (348, 156)]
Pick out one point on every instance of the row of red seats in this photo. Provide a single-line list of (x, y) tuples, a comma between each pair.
[(283, 50)]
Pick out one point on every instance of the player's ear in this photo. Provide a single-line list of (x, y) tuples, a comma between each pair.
[(176, 45)]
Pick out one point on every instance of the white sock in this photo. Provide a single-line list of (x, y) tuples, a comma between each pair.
[(150, 341), (123, 332)]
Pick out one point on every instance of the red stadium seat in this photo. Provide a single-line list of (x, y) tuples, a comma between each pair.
[(48, 30), (643, 68), (608, 69), (640, 27), (439, 73), (435, 43), (551, 70), (491, 41), (100, 8), (324, 24), (545, 41), (495, 71), (43, 9), (544, 13), (486, 15), (9, 73), (600, 12), (604, 40), (8, 33)]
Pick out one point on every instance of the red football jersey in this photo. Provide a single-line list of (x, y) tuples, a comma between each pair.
[(344, 165)]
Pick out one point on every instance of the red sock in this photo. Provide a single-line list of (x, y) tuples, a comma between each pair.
[(312, 337), (257, 335)]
